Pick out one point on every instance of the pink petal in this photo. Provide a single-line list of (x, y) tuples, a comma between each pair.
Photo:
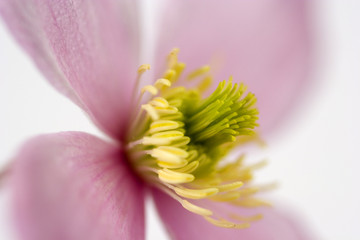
[(183, 225), (84, 48), (75, 186), (264, 44)]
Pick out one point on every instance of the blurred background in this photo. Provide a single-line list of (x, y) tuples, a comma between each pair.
[(313, 156)]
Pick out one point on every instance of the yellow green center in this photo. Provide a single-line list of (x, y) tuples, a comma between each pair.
[(178, 139)]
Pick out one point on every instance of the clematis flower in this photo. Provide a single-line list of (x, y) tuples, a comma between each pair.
[(168, 137)]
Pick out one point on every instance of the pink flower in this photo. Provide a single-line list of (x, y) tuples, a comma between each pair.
[(75, 186)]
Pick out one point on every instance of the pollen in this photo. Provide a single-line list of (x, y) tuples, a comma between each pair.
[(180, 135)]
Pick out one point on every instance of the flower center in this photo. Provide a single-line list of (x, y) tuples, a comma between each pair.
[(178, 139)]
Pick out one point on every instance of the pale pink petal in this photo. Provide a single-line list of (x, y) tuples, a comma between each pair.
[(86, 50), (265, 44), (75, 186), (184, 225)]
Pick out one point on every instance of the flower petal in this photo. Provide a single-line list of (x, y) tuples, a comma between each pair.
[(86, 50), (263, 43), (75, 186), (184, 225)]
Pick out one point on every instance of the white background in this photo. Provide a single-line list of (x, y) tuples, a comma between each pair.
[(313, 156)]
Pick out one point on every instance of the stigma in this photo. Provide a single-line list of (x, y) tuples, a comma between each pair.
[(179, 137)]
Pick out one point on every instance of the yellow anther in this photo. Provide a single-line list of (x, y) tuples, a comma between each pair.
[(173, 57), (151, 111), (173, 151), (166, 111), (163, 138), (252, 218), (189, 168), (220, 223), (251, 202), (143, 68), (226, 224), (176, 116), (149, 88), (164, 125), (198, 72), (176, 92), (205, 84), (196, 209), (179, 68), (159, 102), (257, 165), (244, 192), (234, 165), (170, 156), (170, 75), (195, 193), (172, 177), (176, 102), (230, 186), (226, 197), (192, 155), (162, 82), (173, 135), (181, 142), (171, 165)]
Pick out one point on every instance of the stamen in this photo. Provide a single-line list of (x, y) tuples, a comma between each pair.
[(226, 224), (251, 203), (205, 84), (173, 58), (151, 111), (170, 157), (198, 72), (189, 168), (132, 144), (179, 68), (252, 218), (163, 138), (143, 68), (196, 209), (230, 186), (173, 177), (226, 197), (162, 82), (170, 75), (195, 193), (164, 125), (150, 89), (159, 102)]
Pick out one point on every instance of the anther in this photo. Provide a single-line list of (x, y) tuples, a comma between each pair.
[(164, 125), (162, 82), (196, 209), (159, 102), (143, 68), (173, 177), (170, 157), (163, 138), (230, 186), (226, 197), (251, 203), (198, 72), (195, 193), (149, 88), (189, 168), (151, 111)]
